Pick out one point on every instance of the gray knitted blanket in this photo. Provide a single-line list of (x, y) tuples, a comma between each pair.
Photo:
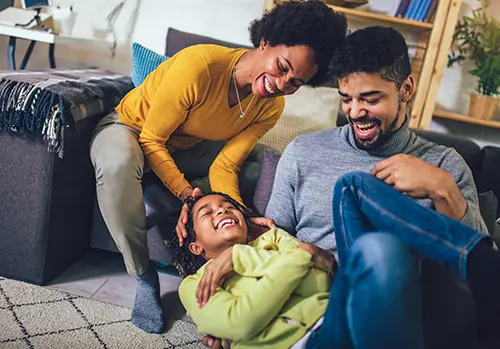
[(45, 103)]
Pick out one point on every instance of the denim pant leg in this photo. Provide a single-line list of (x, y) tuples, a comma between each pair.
[(360, 197), (375, 299)]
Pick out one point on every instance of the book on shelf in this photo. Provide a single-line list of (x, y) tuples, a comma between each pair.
[(417, 10), (403, 6)]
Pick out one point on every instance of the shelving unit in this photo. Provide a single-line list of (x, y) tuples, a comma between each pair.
[(467, 119), (353, 13), (428, 64)]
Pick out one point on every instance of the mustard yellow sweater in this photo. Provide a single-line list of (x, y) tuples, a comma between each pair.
[(270, 301), (184, 101)]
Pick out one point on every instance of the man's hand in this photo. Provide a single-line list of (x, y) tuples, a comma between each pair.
[(180, 229), (417, 178), (322, 259), (214, 274), (412, 176), (215, 343), (258, 226)]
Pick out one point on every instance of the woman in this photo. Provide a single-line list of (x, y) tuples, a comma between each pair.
[(200, 113), (274, 290)]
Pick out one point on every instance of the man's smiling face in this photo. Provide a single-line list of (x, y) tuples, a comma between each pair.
[(373, 107)]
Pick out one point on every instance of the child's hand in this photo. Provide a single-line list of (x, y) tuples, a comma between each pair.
[(215, 272)]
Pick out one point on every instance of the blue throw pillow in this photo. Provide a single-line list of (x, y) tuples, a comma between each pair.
[(144, 61)]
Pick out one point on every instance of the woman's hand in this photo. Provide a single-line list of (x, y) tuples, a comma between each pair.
[(322, 259), (180, 229), (214, 273)]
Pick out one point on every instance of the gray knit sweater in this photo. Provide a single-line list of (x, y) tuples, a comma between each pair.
[(302, 193)]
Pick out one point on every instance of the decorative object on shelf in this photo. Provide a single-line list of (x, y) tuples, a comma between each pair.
[(477, 39)]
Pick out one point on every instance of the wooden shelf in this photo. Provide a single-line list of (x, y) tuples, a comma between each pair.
[(380, 17), (467, 119)]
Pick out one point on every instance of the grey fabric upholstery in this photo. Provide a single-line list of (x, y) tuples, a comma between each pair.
[(177, 40), (46, 209)]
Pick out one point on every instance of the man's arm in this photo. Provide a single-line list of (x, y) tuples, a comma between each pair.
[(462, 175), (449, 185), (281, 206), (242, 317)]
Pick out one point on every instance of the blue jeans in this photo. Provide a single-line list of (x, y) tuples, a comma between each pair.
[(375, 298)]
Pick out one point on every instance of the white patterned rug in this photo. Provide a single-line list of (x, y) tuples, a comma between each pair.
[(39, 318)]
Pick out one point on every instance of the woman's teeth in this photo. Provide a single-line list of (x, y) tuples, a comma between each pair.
[(267, 85)]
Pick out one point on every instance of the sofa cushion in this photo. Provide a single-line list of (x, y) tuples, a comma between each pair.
[(144, 61), (307, 110), (177, 40), (264, 186)]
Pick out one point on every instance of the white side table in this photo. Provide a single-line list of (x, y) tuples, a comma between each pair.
[(8, 19), (34, 36)]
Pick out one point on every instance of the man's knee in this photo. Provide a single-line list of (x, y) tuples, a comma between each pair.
[(385, 257), (352, 179)]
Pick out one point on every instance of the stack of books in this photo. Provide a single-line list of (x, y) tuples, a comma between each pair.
[(417, 10)]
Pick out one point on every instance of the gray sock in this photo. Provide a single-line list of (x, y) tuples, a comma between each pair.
[(148, 312)]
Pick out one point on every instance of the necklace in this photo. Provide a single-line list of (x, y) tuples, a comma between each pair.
[(242, 113)]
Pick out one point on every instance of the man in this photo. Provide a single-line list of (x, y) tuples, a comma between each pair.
[(376, 85)]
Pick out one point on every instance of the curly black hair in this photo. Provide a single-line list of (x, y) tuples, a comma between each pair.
[(183, 260), (309, 23), (379, 50)]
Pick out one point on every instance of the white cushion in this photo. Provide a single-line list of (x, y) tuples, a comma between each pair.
[(307, 110)]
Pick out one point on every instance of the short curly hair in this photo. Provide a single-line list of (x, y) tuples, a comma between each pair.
[(380, 50), (309, 23), (183, 260)]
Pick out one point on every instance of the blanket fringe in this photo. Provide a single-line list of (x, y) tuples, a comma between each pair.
[(27, 108)]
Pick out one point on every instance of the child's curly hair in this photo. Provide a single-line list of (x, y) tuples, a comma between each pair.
[(183, 260)]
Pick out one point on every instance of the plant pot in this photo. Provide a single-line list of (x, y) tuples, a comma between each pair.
[(482, 106)]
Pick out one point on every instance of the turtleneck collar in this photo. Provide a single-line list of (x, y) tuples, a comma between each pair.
[(396, 143)]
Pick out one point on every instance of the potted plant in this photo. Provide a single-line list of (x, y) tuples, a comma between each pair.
[(477, 39)]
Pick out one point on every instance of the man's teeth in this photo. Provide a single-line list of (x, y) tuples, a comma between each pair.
[(225, 222), (268, 86), (365, 127)]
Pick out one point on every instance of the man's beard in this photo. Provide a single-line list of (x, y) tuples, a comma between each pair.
[(381, 138)]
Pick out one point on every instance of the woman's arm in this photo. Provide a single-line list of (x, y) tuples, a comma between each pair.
[(225, 169), (183, 86), (242, 317)]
